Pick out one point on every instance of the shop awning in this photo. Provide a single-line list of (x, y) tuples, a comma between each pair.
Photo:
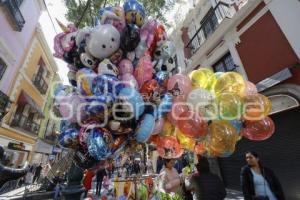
[(26, 99)]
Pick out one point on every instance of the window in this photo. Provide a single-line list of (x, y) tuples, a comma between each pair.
[(39, 80), (3, 67), (225, 64), (210, 23)]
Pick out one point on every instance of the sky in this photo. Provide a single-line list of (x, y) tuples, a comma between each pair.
[(57, 9)]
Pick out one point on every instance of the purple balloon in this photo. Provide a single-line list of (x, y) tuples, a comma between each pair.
[(125, 66)]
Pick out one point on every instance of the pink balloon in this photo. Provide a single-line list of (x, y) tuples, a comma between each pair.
[(159, 124), (144, 70), (250, 88), (179, 85), (129, 80), (125, 66), (179, 106), (258, 130)]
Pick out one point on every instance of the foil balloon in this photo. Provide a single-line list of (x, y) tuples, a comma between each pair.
[(257, 106), (159, 124), (99, 106), (223, 137), (165, 105), (125, 66), (162, 78), (169, 148), (144, 70), (129, 81), (258, 130), (168, 129), (164, 57), (84, 79), (192, 125), (230, 82), (150, 91), (160, 36), (145, 128), (108, 68), (106, 85), (179, 85), (200, 149), (203, 78), (130, 38), (185, 142), (69, 138), (134, 12), (116, 57), (72, 78), (230, 106), (179, 106), (103, 41), (114, 16), (250, 88), (97, 146)]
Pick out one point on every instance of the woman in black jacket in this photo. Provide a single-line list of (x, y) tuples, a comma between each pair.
[(258, 182)]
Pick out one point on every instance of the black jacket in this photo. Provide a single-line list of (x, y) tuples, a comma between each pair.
[(248, 185)]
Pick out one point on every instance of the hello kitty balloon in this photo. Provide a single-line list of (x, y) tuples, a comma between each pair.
[(104, 40)]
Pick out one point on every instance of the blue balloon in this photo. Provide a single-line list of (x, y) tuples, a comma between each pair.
[(106, 84), (161, 77), (165, 105), (69, 138), (133, 5), (65, 124), (237, 124), (145, 128), (97, 147), (98, 104), (135, 99)]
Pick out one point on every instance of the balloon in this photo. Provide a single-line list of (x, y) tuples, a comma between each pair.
[(258, 130), (162, 54), (97, 146), (69, 138), (169, 147), (72, 78), (160, 36), (106, 84), (134, 98), (200, 149), (129, 81), (99, 106), (230, 82), (218, 74), (125, 66), (230, 106), (134, 12), (203, 78), (199, 98), (257, 106), (223, 137), (150, 91), (162, 77), (114, 16), (103, 41), (108, 68), (145, 128), (165, 105), (179, 85), (168, 129), (130, 38), (250, 88), (185, 142), (237, 124), (144, 70), (192, 125), (84, 79), (179, 106), (159, 124), (116, 57)]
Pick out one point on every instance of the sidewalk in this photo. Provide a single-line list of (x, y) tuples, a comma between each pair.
[(234, 195)]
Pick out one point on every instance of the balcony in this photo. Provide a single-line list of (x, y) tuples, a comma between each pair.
[(4, 104), (209, 24), (40, 84), (12, 7), (21, 121)]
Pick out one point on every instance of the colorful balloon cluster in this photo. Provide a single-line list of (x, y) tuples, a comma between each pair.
[(123, 89)]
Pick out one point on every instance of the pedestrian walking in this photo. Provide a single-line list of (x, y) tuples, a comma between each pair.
[(37, 173), (87, 181), (99, 178), (205, 185), (259, 182)]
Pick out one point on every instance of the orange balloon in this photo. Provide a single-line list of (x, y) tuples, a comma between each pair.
[(258, 130), (169, 147), (256, 106), (200, 149), (192, 125), (179, 106), (186, 142), (149, 90)]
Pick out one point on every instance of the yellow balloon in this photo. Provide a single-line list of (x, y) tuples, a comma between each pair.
[(230, 82), (223, 137), (186, 142), (203, 78), (257, 106), (230, 106), (168, 129)]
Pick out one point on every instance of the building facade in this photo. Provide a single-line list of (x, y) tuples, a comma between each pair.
[(29, 95), (260, 40)]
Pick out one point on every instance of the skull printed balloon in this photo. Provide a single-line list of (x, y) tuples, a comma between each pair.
[(104, 40)]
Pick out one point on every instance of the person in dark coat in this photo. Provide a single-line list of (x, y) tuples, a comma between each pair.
[(37, 173), (99, 178), (204, 184), (259, 182)]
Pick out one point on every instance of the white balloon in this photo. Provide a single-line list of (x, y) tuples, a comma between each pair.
[(103, 41)]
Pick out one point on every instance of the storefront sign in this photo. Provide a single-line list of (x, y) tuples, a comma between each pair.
[(15, 146), (274, 79)]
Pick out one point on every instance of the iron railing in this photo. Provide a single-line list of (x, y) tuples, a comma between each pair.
[(12, 6), (4, 103), (209, 25)]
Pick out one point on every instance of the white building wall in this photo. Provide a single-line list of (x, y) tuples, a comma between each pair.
[(287, 15)]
